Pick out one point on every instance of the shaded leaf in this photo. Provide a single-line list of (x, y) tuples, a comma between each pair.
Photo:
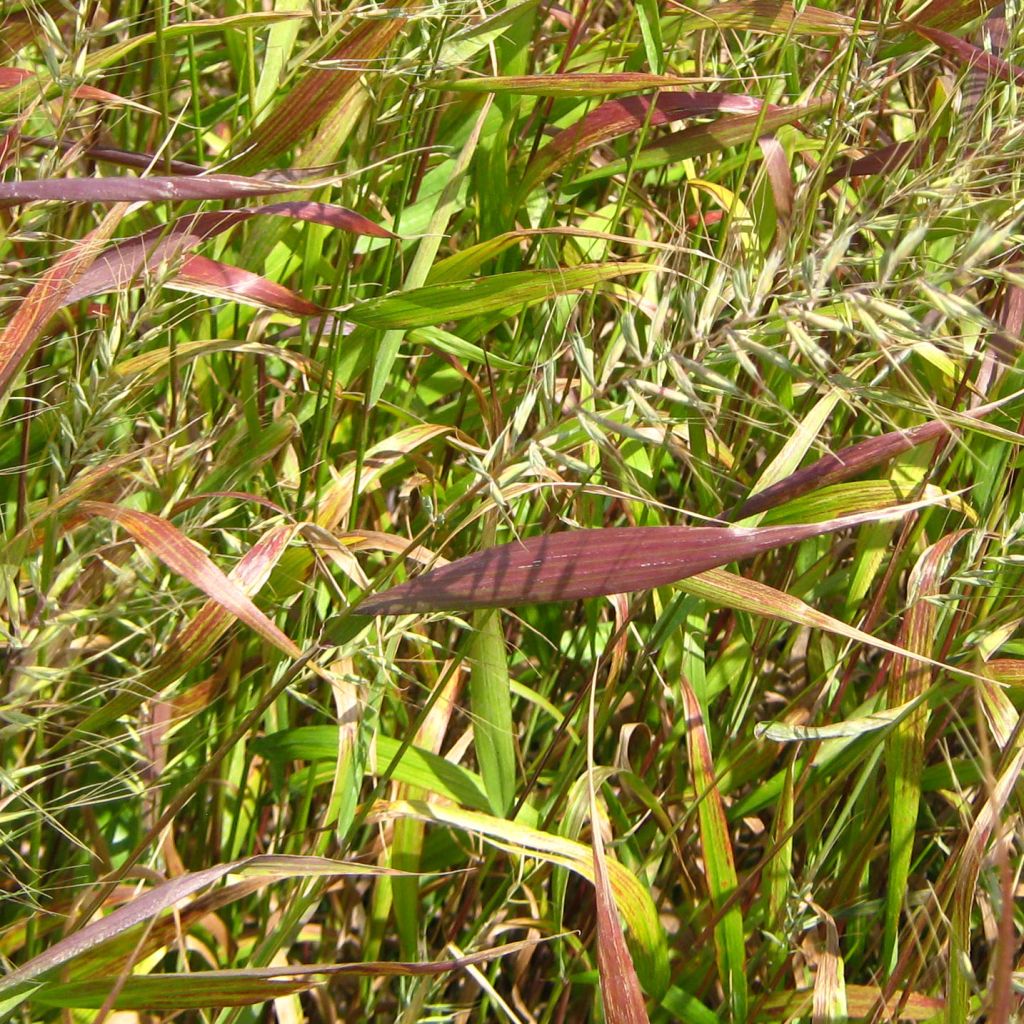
[(416, 767), (491, 705)]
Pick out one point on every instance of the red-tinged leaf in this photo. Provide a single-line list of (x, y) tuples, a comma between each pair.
[(725, 132), (123, 157), (852, 461), (255, 499), (164, 896), (317, 93), (169, 188), (21, 334), (245, 986), (192, 644), (11, 77), (971, 55), (618, 117), (210, 277), (879, 161), (1006, 342), (17, 30), (121, 264), (1005, 670), (780, 177), (590, 563), (9, 143), (774, 17), (190, 561), (620, 986), (949, 15), (571, 84)]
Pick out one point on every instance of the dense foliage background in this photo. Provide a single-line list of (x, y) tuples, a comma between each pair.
[(300, 298)]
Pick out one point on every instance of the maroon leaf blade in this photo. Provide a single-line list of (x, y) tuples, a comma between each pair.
[(880, 161), (122, 263), (620, 986), (971, 55), (592, 563), (851, 462), (211, 277), (617, 117), (159, 188)]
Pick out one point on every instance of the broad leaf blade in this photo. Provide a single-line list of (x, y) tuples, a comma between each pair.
[(591, 563)]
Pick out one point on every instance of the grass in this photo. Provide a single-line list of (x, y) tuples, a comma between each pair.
[(453, 276)]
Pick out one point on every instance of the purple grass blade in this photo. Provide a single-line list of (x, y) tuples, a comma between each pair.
[(211, 277), (880, 161), (121, 264), (592, 563), (619, 116), (849, 462), (122, 157), (973, 56), (124, 188)]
